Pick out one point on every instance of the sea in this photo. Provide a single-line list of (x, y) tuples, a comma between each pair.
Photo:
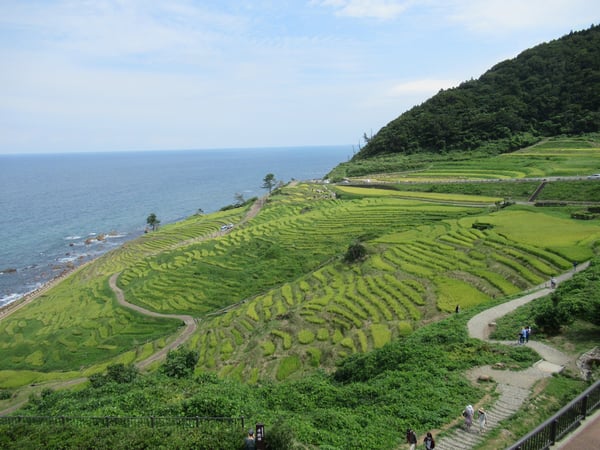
[(53, 207)]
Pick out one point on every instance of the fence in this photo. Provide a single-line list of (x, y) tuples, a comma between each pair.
[(562, 423), (130, 422)]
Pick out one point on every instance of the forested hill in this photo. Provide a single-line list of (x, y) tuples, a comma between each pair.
[(550, 89)]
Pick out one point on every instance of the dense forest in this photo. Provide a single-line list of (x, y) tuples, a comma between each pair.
[(548, 90)]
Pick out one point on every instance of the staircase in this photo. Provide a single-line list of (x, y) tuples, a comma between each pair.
[(537, 192), (513, 387), (510, 400)]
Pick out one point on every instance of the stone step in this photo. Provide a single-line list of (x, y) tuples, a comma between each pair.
[(510, 400)]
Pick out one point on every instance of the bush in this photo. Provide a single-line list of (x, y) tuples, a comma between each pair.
[(180, 363), (116, 373), (5, 394), (279, 436), (355, 252)]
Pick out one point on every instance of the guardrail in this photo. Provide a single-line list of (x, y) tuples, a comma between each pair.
[(131, 422), (562, 423)]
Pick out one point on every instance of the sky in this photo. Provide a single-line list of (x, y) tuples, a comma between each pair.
[(117, 75)]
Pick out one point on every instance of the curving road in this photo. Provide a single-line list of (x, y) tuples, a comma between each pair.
[(189, 322)]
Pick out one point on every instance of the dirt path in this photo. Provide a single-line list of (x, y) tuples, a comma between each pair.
[(189, 322), (11, 308), (513, 387)]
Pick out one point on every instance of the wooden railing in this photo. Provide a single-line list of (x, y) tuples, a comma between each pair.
[(562, 423)]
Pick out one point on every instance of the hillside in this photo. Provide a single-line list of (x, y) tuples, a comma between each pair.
[(548, 90), (283, 317), (327, 310)]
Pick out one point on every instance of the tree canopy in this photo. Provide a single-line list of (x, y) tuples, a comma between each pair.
[(548, 90), (153, 221), (269, 182)]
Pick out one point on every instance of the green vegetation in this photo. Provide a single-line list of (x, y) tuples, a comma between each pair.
[(473, 172), (545, 91), (366, 401), (326, 311), (573, 301)]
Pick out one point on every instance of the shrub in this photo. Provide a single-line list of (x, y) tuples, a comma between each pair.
[(482, 226), (279, 436), (116, 373), (355, 252), (5, 394), (180, 363)]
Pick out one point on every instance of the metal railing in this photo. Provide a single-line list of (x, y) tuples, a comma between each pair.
[(562, 423), (129, 422)]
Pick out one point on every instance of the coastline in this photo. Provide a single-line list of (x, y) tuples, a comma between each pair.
[(9, 308)]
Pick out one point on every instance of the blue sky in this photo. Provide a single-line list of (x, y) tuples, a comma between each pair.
[(112, 75)]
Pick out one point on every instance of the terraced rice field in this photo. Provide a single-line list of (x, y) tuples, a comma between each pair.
[(554, 158), (338, 309), (273, 295)]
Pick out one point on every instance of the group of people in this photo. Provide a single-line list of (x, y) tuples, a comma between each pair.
[(429, 441), (411, 439), (469, 415), (524, 334)]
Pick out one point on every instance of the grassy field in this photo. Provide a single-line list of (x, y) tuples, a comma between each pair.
[(274, 297), (291, 333), (556, 157)]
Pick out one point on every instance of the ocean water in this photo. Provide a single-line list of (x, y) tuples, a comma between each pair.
[(53, 205)]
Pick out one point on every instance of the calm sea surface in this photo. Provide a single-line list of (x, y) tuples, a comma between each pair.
[(50, 204)]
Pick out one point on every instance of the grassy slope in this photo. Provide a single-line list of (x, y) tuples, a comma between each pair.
[(292, 304), (276, 301)]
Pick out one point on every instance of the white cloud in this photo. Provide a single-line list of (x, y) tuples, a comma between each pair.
[(377, 9), (190, 73)]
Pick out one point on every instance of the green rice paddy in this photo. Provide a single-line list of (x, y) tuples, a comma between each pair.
[(273, 296)]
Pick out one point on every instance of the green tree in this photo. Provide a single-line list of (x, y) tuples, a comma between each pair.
[(355, 252), (153, 221), (117, 373), (269, 182), (180, 363)]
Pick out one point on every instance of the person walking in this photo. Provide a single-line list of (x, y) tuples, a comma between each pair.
[(468, 414), (429, 442), (482, 419), (411, 439), (522, 336)]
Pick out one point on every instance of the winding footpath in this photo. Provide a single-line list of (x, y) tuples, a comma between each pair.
[(513, 387), (188, 321)]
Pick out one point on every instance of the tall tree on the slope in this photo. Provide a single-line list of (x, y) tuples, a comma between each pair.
[(153, 221), (269, 182)]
